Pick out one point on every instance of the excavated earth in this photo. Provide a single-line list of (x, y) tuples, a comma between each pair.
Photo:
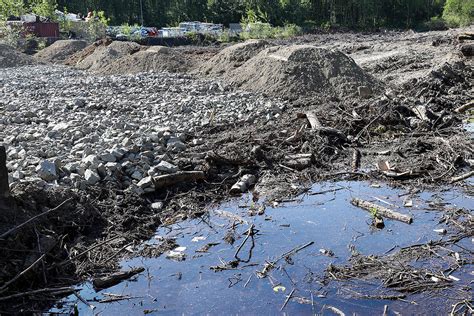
[(92, 145)]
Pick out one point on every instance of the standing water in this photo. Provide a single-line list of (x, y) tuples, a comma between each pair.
[(322, 227)]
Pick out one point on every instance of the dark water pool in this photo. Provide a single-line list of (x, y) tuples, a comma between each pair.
[(328, 219)]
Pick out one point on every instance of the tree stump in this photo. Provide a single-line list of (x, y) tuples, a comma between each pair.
[(4, 187), (7, 203)]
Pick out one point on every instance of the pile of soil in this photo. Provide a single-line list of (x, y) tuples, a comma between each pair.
[(103, 55), (9, 57), (155, 59), (300, 70), (232, 57), (82, 54), (60, 50)]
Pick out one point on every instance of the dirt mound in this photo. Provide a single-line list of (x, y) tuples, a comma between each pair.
[(82, 54), (155, 59), (104, 55), (60, 50), (232, 57), (9, 57), (299, 71)]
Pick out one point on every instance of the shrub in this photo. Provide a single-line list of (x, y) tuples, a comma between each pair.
[(459, 12)]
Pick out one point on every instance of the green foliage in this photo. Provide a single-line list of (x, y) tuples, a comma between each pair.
[(373, 212), (9, 34), (261, 30), (11, 7), (434, 24), (65, 25), (459, 12), (97, 25), (356, 14), (44, 8)]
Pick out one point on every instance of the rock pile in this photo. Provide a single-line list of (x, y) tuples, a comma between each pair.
[(9, 57), (63, 126), (300, 70), (60, 50)]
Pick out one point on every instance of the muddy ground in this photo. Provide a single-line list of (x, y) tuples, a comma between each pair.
[(394, 112)]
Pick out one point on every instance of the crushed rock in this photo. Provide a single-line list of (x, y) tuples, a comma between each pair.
[(300, 70), (9, 57), (60, 50)]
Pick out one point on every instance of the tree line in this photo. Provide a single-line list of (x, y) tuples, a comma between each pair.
[(354, 14)]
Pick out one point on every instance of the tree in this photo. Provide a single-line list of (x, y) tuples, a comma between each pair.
[(459, 12), (44, 8), (11, 7)]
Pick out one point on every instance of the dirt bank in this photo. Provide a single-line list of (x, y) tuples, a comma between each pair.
[(60, 50), (10, 57)]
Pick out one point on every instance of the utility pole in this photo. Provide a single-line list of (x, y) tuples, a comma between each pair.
[(141, 11)]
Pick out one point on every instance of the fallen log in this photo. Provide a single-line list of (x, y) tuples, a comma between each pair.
[(466, 36), (465, 107), (463, 177), (382, 211), (298, 162), (316, 126), (243, 184), (168, 180), (115, 278)]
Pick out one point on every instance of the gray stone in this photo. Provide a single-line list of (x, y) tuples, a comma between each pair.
[(47, 171), (91, 177), (91, 161), (166, 167), (137, 175), (157, 206), (108, 157), (146, 183)]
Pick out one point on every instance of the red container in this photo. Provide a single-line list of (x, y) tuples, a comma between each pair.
[(46, 29)]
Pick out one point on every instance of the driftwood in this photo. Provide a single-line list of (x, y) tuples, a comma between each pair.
[(382, 211), (356, 156), (115, 278), (466, 36), (177, 178), (463, 177), (298, 162), (316, 126), (465, 107), (243, 184)]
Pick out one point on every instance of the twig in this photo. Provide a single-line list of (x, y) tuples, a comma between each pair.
[(87, 250), (60, 290), (462, 177), (287, 299), (34, 218), (76, 293), (250, 233), (22, 273)]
